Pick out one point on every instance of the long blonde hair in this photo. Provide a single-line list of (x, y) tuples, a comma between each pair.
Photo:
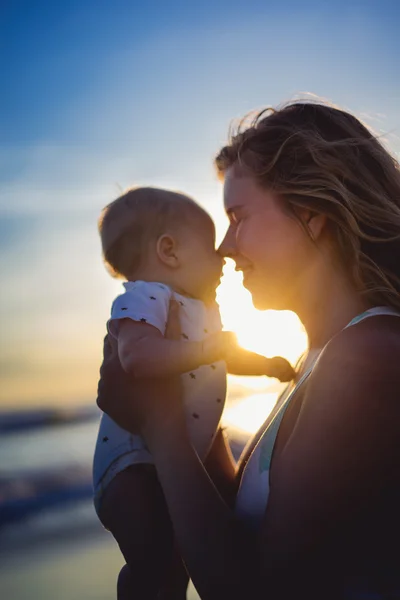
[(318, 157)]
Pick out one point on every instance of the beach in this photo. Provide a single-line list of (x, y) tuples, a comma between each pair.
[(51, 542), (67, 563)]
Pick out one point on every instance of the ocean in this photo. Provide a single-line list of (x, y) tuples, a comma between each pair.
[(51, 543)]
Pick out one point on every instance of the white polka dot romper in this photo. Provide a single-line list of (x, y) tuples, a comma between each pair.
[(204, 388)]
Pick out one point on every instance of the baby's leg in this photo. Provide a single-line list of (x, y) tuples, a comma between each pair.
[(177, 580), (125, 584), (174, 588), (134, 510)]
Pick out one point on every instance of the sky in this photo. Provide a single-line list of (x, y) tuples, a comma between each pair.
[(97, 96)]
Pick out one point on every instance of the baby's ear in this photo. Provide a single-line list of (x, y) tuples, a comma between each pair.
[(166, 249)]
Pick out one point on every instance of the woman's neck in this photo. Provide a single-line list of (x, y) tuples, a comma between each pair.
[(328, 305)]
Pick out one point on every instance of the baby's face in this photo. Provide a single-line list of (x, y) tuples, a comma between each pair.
[(201, 266)]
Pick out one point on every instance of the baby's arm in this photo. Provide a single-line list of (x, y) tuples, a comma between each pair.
[(243, 362), (144, 352)]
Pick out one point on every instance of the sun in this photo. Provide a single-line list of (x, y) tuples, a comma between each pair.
[(271, 333)]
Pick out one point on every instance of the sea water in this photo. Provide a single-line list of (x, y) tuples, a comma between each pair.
[(51, 542)]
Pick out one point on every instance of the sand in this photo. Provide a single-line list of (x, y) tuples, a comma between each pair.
[(63, 568)]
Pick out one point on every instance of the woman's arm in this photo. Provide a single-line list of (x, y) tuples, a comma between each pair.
[(217, 552), (341, 453), (221, 468)]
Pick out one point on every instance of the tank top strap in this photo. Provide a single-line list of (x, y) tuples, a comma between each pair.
[(274, 425), (372, 312), (253, 490)]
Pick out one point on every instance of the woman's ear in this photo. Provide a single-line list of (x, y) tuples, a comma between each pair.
[(316, 223), (166, 249)]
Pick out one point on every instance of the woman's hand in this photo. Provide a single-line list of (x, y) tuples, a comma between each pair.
[(116, 389), (173, 330), (145, 406)]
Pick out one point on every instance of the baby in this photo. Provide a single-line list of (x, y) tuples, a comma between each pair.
[(163, 244)]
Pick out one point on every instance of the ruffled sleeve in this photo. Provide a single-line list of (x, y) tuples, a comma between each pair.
[(142, 301)]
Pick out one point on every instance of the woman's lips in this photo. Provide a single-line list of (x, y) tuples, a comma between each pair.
[(245, 270)]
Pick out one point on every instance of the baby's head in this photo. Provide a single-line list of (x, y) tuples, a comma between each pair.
[(160, 235)]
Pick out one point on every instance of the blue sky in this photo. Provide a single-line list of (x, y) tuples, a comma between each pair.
[(98, 95)]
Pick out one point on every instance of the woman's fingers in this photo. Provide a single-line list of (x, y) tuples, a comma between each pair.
[(116, 389), (173, 330), (136, 404)]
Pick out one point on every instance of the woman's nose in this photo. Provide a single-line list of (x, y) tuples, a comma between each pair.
[(227, 247)]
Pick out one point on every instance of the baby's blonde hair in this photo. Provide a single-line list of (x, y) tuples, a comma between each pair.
[(137, 217)]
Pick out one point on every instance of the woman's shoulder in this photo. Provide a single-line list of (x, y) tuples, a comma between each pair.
[(359, 368), (374, 341)]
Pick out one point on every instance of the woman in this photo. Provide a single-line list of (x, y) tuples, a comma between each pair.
[(314, 206)]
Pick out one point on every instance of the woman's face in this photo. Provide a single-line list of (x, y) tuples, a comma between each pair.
[(267, 244)]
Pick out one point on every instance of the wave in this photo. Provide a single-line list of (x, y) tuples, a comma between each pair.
[(50, 467), (29, 493), (22, 420)]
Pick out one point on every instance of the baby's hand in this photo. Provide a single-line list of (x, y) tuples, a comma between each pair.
[(218, 346), (280, 368)]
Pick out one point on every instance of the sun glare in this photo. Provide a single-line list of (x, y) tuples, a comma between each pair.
[(271, 333), (249, 414)]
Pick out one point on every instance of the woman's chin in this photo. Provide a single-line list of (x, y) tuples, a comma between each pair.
[(263, 299), (262, 303)]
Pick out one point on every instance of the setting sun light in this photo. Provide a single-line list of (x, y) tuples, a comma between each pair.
[(271, 333)]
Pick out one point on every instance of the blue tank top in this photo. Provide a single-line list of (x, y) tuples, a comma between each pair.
[(252, 497)]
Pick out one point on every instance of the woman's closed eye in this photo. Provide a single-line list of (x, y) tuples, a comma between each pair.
[(235, 218)]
